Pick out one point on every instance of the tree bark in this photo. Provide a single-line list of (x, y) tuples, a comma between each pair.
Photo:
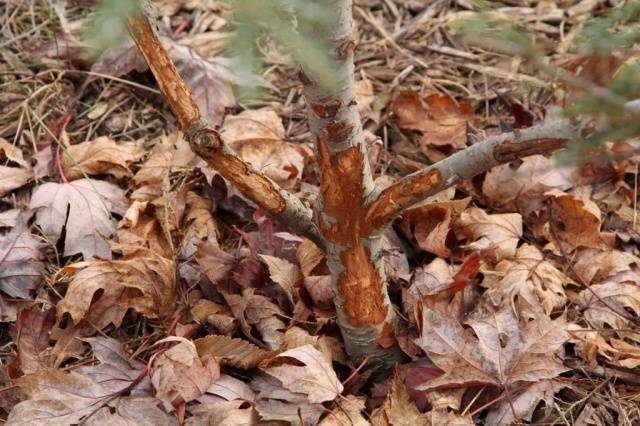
[(206, 142), (365, 315)]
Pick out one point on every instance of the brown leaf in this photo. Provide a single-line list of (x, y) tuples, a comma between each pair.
[(282, 272), (215, 263), (398, 409), (520, 406), (261, 123), (315, 377), (229, 388), (503, 353), (236, 353), (197, 224), (611, 303), (499, 231), (575, 221), (13, 153), (529, 283), (30, 334), (309, 256), (131, 412), (141, 227), (320, 290), (9, 218), (523, 189), (100, 156), (228, 413), (594, 266), (13, 178), (179, 375), (219, 316), (348, 412), (21, 267), (141, 280), (88, 223), (441, 119), (210, 80)]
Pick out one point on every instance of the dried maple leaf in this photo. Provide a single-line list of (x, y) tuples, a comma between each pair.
[(141, 227), (499, 231), (503, 353), (229, 388), (348, 412), (141, 280), (593, 265), (236, 353), (215, 263), (610, 303), (441, 119), (30, 334), (575, 221), (309, 257), (228, 413), (179, 375), (398, 409), (524, 188), (13, 178), (83, 209), (100, 156), (21, 267), (315, 378), (210, 80), (528, 282), (282, 272), (519, 405)]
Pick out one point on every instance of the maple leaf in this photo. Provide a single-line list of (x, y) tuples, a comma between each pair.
[(59, 397), (215, 263), (398, 409), (140, 226), (575, 221), (348, 412), (499, 231), (229, 388), (30, 334), (179, 375), (228, 413), (503, 353), (527, 282), (315, 377), (282, 272), (441, 119), (521, 404), (595, 265), (83, 209), (610, 303), (21, 267), (13, 178), (100, 156), (523, 189), (141, 280), (229, 351)]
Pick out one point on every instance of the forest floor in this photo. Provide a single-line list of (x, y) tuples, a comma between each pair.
[(138, 288)]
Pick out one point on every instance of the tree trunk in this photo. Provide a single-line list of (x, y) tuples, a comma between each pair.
[(365, 314)]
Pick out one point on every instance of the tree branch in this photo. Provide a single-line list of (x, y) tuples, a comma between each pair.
[(478, 158), (205, 140)]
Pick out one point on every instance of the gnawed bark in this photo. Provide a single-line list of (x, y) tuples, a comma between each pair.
[(365, 314), (206, 142)]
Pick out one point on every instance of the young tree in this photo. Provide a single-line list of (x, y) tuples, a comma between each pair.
[(351, 213)]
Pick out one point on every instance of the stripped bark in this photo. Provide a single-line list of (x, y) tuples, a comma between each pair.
[(365, 314), (205, 140)]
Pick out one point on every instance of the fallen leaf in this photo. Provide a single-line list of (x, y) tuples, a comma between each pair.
[(83, 208), (502, 352), (9, 218), (228, 413), (261, 123), (519, 405), (230, 388), (315, 378), (13, 178), (210, 80), (140, 226), (523, 189), (398, 409), (234, 352), (30, 333), (348, 412), (197, 224), (442, 120), (594, 266), (610, 304), (320, 289), (179, 375), (215, 263), (575, 221), (100, 156), (309, 257), (13, 153), (528, 282), (131, 412), (282, 272), (21, 266), (499, 231), (205, 311), (141, 280)]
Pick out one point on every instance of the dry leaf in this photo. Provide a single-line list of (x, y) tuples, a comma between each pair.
[(523, 189), (261, 123), (228, 413), (611, 303), (100, 156), (314, 378), (179, 375), (131, 412), (214, 262), (441, 119), (88, 223), (13, 153), (141, 280), (282, 272), (499, 231), (520, 405), (309, 256), (348, 412), (140, 226), (219, 316), (9, 218), (503, 353), (21, 267), (230, 388), (593, 266), (30, 333), (236, 353), (528, 283), (197, 224), (398, 409), (575, 221), (13, 178)]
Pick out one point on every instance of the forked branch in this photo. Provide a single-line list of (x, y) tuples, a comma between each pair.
[(205, 140)]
